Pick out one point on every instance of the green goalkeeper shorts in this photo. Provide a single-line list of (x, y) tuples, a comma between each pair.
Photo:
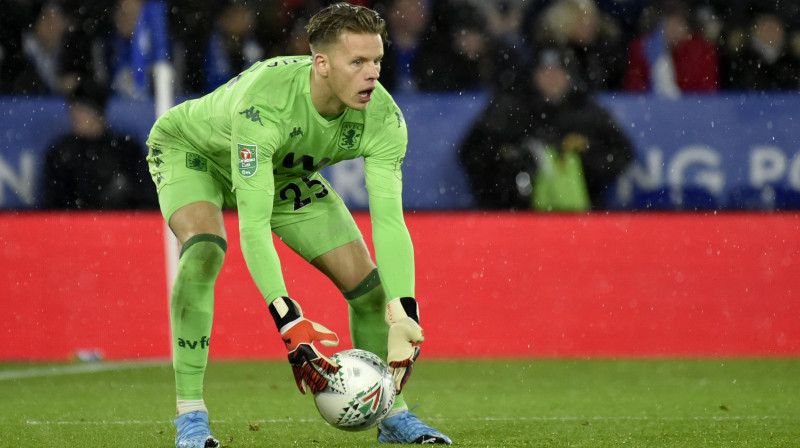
[(307, 215)]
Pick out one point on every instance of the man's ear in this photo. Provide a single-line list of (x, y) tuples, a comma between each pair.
[(321, 64)]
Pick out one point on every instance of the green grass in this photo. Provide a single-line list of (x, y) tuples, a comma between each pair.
[(541, 403)]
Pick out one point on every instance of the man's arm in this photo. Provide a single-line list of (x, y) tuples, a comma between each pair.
[(255, 211), (297, 332), (394, 254), (394, 251)]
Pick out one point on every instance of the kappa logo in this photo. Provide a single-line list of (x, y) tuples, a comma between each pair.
[(252, 114), (298, 131), (350, 137), (248, 159)]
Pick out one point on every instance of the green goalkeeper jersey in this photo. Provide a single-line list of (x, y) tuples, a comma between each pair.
[(263, 128)]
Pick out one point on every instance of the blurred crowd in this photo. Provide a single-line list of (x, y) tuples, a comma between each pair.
[(542, 134), (664, 47)]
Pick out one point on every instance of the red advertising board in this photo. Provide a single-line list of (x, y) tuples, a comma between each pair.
[(489, 285)]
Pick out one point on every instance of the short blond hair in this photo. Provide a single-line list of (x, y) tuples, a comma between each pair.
[(325, 26)]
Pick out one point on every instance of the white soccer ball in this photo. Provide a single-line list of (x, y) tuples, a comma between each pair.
[(360, 394)]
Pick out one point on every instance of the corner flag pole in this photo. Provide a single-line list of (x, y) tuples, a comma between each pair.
[(151, 53)]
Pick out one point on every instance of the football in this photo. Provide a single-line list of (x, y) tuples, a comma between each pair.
[(359, 394)]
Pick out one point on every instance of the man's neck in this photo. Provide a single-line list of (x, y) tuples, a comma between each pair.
[(323, 99)]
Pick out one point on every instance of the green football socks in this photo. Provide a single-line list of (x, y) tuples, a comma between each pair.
[(192, 311), (368, 329)]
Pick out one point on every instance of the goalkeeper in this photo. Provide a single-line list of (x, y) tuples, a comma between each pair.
[(257, 144)]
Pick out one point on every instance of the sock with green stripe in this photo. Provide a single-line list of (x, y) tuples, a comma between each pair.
[(368, 329), (192, 311)]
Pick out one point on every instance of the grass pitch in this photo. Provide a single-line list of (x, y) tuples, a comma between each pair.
[(520, 403)]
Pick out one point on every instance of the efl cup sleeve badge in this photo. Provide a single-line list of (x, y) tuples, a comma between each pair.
[(248, 160)]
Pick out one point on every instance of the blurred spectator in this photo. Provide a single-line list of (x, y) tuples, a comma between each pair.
[(545, 109), (232, 46), (39, 69), (83, 53), (625, 14), (191, 24), (126, 16), (296, 42), (93, 167), (101, 45), (457, 53), (406, 23), (100, 48), (593, 39), (16, 15), (708, 21), (671, 58), (762, 58), (504, 20)]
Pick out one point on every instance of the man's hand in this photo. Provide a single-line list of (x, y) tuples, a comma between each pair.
[(402, 315), (309, 366)]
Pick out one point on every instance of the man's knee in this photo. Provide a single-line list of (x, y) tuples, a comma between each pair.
[(207, 253), (368, 296), (197, 218)]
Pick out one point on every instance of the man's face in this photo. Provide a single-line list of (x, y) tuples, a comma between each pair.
[(354, 66), (552, 81), (85, 120), (676, 30)]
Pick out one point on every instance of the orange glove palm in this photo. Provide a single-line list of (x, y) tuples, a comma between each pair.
[(309, 366)]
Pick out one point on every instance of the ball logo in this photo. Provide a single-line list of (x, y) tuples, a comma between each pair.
[(360, 394), (373, 398), (363, 407)]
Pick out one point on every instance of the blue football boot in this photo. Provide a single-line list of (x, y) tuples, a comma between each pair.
[(193, 431), (406, 427)]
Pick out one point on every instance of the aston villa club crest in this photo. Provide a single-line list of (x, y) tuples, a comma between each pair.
[(248, 161), (350, 136)]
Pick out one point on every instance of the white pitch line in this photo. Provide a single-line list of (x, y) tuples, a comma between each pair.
[(476, 419), (99, 422), (281, 421), (72, 369)]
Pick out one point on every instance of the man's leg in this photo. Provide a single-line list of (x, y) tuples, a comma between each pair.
[(200, 231), (325, 234), (351, 269), (366, 305)]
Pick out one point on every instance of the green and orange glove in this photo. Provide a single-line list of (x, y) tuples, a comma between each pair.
[(309, 366), (405, 335)]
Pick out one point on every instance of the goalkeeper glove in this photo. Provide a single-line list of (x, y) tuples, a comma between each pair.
[(402, 315), (309, 366)]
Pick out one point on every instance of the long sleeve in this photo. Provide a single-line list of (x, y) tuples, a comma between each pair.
[(394, 251), (255, 211)]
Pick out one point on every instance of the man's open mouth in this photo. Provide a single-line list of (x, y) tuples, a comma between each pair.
[(365, 95)]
